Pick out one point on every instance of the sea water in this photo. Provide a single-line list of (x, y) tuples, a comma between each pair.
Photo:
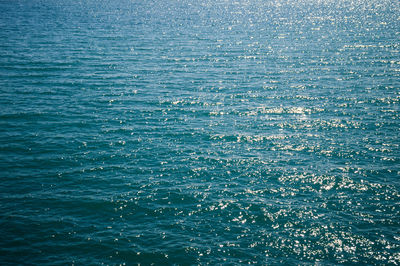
[(199, 132)]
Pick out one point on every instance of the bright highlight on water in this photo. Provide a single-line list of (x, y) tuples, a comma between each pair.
[(199, 132)]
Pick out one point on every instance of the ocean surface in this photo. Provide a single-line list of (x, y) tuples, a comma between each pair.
[(199, 132)]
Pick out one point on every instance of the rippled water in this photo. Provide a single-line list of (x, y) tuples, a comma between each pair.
[(195, 132)]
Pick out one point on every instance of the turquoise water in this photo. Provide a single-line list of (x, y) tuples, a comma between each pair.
[(199, 132)]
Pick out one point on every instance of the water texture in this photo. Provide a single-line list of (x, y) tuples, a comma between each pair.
[(199, 132)]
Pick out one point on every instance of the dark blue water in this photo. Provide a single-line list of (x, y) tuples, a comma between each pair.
[(195, 132)]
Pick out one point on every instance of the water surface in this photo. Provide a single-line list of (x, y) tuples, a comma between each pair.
[(195, 132)]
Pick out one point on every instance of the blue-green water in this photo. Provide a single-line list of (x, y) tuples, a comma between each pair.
[(196, 132)]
